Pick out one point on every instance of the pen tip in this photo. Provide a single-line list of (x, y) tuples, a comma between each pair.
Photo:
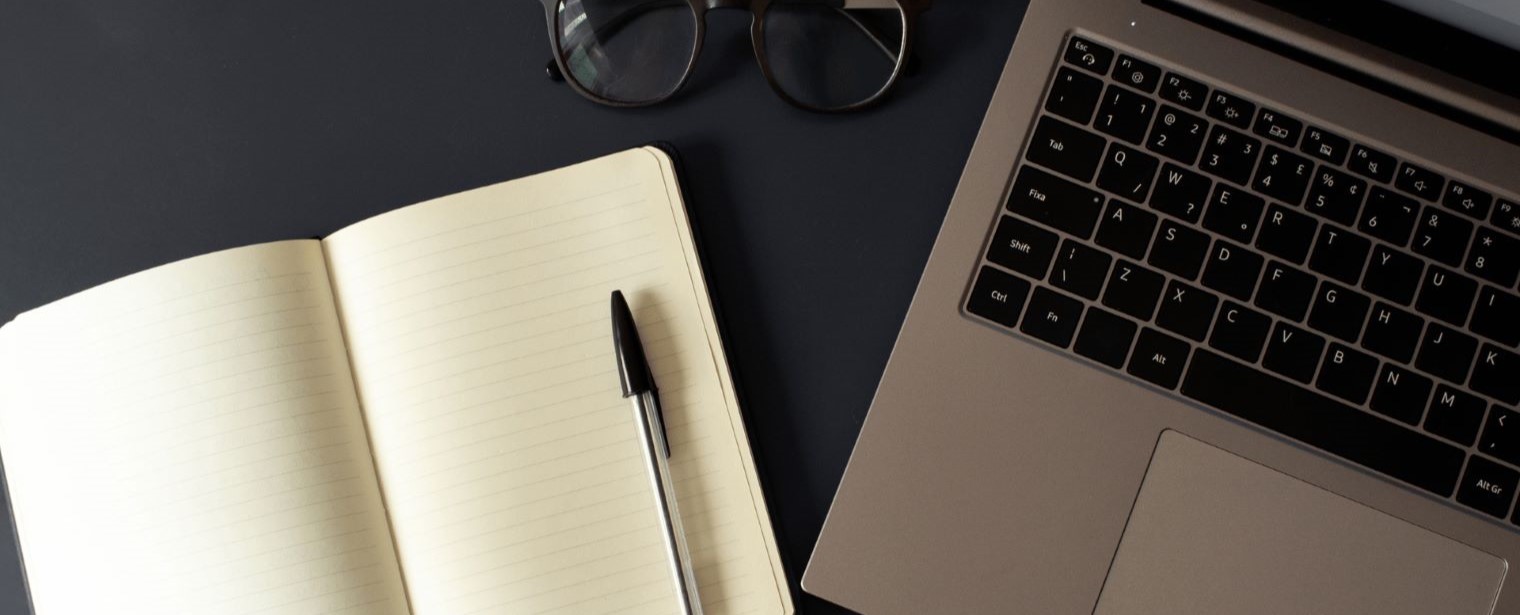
[(633, 367)]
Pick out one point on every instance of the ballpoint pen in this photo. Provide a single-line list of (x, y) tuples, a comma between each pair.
[(638, 383)]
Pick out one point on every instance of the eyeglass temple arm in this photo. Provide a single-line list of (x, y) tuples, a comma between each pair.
[(612, 26)]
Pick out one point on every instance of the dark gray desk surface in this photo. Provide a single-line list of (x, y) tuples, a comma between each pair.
[(134, 134)]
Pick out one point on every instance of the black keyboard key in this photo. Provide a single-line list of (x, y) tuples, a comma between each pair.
[(1240, 331), (1336, 196), (1325, 145), (1051, 317), (1133, 289), (1497, 316), (1277, 127), (1286, 234), (1234, 213), (1420, 182), (1494, 257), (1446, 353), (1346, 373), (1283, 175), (1177, 134), (1137, 74), (1186, 311), (1339, 254), (1126, 229), (1055, 202), (1179, 250), (1392, 275), (1285, 291), (1080, 269), (1507, 216), (1501, 435), (1232, 270), (1392, 332), (1454, 415), (1467, 200), (1388, 216), (1128, 172), (1401, 394), (1371, 163), (1230, 155), (1497, 374), (998, 296), (1022, 247), (1158, 358), (1065, 149), (1322, 422), (1180, 192), (1231, 109), (1446, 295), (1125, 114), (1105, 337), (1184, 91), (1339, 311), (1089, 55), (1074, 95), (1293, 352), (1442, 236), (1487, 486)]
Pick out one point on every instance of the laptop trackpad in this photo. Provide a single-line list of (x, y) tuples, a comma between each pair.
[(1213, 532)]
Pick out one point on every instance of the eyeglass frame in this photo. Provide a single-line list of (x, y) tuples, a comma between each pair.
[(909, 9)]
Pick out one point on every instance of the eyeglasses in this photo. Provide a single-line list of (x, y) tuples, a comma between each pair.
[(820, 55)]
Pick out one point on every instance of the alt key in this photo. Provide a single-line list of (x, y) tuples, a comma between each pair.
[(1487, 486)]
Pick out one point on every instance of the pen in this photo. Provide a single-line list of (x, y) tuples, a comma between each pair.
[(638, 383)]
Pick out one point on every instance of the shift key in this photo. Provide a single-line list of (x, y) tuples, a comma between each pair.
[(1055, 202)]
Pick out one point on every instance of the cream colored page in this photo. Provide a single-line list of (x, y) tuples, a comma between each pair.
[(479, 330), (187, 440)]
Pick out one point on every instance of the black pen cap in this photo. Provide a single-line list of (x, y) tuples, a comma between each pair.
[(633, 367)]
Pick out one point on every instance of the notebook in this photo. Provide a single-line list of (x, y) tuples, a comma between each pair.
[(417, 415)]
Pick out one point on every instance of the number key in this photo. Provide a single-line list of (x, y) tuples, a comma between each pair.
[(1230, 155), (1177, 134), (1125, 114), (1388, 216), (1283, 175), (1442, 235), (1494, 257), (1336, 196)]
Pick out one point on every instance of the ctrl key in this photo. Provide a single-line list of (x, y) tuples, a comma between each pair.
[(998, 296), (1487, 486)]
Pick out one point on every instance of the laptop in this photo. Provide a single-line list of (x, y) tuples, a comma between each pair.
[(1223, 318)]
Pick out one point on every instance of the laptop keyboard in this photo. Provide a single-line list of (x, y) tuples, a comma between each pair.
[(1273, 268)]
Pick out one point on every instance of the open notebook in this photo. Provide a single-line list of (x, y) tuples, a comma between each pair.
[(419, 414)]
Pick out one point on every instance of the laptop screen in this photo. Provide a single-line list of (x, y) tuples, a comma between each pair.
[(1475, 40), (1495, 20)]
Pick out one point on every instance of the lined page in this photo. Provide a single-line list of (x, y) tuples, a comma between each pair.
[(481, 341), (187, 440)]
